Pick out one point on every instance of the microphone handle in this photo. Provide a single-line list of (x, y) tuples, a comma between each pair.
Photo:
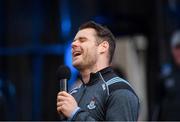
[(63, 85)]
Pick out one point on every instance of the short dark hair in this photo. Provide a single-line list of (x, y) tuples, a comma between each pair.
[(103, 33)]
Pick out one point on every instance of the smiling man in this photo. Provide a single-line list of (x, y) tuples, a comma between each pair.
[(103, 95)]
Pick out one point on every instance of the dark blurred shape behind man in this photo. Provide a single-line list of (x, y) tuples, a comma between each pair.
[(170, 108), (103, 95)]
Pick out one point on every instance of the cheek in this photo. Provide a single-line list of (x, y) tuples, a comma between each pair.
[(90, 54), (90, 49)]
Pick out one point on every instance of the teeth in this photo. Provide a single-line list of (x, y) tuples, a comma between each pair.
[(76, 53)]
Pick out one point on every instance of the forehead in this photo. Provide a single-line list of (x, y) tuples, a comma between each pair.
[(87, 32)]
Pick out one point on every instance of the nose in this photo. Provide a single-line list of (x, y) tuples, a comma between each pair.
[(74, 44)]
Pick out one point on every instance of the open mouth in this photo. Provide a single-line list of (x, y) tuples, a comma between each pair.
[(76, 53)]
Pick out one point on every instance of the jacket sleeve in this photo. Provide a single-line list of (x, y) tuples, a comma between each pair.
[(82, 115), (122, 105)]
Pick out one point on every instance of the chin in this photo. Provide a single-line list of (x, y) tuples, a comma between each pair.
[(77, 64)]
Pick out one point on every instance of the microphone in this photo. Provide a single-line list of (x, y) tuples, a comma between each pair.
[(63, 74)]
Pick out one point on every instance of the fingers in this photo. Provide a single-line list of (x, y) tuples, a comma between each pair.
[(60, 109), (61, 98), (63, 93), (66, 103), (61, 106)]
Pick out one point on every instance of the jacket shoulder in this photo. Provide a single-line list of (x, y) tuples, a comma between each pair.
[(117, 83)]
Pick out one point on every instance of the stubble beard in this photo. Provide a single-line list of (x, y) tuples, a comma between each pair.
[(87, 62)]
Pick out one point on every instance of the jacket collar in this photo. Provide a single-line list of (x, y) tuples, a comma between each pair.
[(95, 77)]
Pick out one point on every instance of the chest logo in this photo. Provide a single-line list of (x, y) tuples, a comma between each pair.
[(91, 105)]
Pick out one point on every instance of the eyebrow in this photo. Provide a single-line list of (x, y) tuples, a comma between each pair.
[(80, 38)]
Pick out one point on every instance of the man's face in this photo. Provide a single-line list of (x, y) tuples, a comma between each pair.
[(84, 49), (176, 54)]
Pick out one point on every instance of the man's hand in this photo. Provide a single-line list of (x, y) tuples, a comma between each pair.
[(66, 103)]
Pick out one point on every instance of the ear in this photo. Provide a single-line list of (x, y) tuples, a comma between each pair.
[(103, 47)]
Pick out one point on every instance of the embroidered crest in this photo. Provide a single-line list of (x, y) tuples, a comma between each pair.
[(91, 105)]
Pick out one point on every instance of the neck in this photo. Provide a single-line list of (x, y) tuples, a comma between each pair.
[(85, 73)]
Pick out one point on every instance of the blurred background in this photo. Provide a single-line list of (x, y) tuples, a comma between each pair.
[(35, 38)]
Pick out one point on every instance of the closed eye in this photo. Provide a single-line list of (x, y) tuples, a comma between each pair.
[(82, 39)]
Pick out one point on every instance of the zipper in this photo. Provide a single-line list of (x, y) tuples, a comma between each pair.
[(104, 83), (82, 94)]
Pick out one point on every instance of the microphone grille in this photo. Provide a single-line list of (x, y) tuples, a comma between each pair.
[(63, 72)]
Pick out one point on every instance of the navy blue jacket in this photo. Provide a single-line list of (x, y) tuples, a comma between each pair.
[(106, 97)]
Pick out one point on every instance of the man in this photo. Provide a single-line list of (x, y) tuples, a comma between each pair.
[(175, 48), (170, 107), (103, 96)]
